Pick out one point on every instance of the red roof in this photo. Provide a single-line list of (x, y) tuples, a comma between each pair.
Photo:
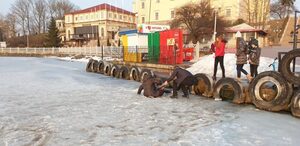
[(103, 6)]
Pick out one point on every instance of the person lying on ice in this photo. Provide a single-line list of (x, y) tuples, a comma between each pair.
[(181, 79), (150, 88)]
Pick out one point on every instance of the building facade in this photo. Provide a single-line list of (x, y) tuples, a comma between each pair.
[(163, 11), (102, 22), (60, 24)]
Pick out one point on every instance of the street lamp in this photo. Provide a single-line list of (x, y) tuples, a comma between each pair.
[(215, 22)]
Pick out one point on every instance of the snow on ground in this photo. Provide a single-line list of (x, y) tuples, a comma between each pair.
[(84, 59), (50, 102), (206, 65)]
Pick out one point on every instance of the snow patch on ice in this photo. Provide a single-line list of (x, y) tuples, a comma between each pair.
[(206, 65), (85, 59)]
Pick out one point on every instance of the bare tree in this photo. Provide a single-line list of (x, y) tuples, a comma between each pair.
[(11, 21), (197, 18), (58, 8), (39, 15), (21, 9), (278, 11), (257, 12)]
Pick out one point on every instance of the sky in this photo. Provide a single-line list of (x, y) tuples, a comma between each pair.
[(126, 4)]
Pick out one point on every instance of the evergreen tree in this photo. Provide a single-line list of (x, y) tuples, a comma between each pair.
[(53, 35)]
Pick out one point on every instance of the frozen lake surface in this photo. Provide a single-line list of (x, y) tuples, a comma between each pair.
[(56, 103)]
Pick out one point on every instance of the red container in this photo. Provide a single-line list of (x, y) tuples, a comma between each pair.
[(168, 55), (188, 54)]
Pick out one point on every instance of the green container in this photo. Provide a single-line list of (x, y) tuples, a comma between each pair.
[(153, 47)]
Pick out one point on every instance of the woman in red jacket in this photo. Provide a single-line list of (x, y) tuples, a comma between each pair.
[(219, 49)]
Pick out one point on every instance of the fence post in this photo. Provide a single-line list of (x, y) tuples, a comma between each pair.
[(110, 48), (9, 50), (96, 50), (90, 51), (136, 53), (102, 52)]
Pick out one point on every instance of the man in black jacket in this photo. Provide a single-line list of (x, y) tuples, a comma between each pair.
[(149, 86), (181, 79)]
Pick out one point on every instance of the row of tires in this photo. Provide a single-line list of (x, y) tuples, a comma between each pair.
[(118, 71), (284, 99)]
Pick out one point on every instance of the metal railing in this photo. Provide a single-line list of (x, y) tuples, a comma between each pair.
[(110, 51)]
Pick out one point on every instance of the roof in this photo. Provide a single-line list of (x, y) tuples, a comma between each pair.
[(243, 28), (103, 6)]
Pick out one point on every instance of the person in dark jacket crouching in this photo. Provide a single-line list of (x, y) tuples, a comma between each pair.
[(150, 87), (181, 79)]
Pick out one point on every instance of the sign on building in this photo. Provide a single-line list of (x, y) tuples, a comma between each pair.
[(146, 28), (2, 44)]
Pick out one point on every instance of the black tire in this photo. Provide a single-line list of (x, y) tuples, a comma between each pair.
[(238, 96), (107, 68), (145, 72), (135, 73), (295, 104), (124, 73), (100, 67), (285, 68), (94, 66), (204, 81), (114, 71), (283, 96), (88, 67)]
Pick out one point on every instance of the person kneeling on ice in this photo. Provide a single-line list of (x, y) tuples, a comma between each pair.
[(150, 88), (181, 79)]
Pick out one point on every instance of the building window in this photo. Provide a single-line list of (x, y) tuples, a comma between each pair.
[(115, 16), (125, 18), (156, 15), (102, 14), (129, 19), (143, 5), (157, 1), (143, 19), (87, 17), (228, 12), (102, 32), (120, 17), (76, 18), (172, 14), (109, 15)]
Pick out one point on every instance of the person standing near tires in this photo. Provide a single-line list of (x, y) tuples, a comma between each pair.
[(219, 48), (181, 79), (241, 58), (254, 56)]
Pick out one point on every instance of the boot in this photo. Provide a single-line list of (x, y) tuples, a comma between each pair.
[(249, 77), (214, 78)]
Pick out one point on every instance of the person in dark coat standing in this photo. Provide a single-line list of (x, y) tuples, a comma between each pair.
[(181, 79), (150, 88), (219, 49), (241, 58), (254, 56)]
